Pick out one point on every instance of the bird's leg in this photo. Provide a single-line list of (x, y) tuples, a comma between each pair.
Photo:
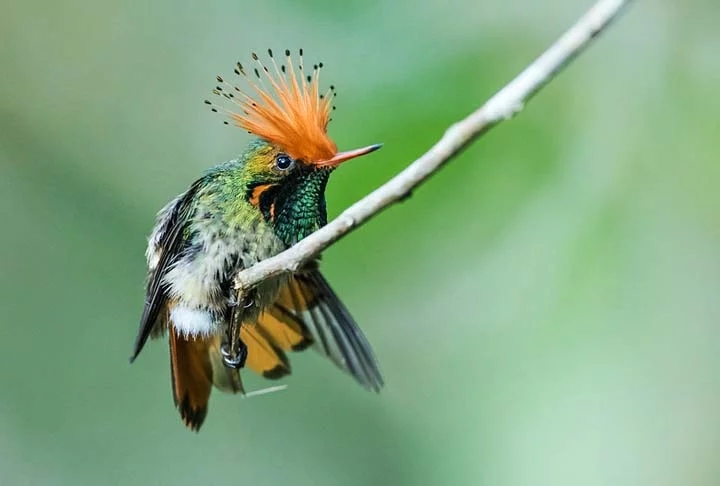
[(232, 300), (235, 351)]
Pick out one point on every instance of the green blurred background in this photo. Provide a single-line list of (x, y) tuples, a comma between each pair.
[(545, 310)]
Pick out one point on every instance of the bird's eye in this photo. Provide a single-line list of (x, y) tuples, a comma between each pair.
[(284, 162)]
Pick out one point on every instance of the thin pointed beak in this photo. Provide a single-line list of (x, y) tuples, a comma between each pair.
[(341, 157)]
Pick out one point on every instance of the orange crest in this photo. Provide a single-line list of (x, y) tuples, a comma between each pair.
[(289, 113)]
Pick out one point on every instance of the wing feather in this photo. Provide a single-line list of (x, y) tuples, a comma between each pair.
[(264, 356), (168, 242), (308, 305)]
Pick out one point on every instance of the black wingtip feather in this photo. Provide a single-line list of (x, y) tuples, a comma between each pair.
[(276, 373), (357, 355), (193, 418)]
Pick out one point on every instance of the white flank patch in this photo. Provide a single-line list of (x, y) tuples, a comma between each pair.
[(195, 281), (192, 322)]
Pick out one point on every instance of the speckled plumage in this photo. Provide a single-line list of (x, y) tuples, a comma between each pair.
[(223, 234)]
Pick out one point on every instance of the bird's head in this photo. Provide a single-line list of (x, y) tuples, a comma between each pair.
[(287, 168)]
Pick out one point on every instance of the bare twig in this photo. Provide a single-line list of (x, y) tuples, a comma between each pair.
[(506, 103)]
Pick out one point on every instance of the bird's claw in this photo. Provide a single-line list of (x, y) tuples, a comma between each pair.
[(234, 361), (232, 301)]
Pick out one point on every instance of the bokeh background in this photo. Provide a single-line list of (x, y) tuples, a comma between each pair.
[(545, 309)]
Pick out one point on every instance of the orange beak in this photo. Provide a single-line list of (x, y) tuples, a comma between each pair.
[(341, 157)]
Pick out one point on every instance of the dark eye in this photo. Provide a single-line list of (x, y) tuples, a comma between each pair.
[(283, 162)]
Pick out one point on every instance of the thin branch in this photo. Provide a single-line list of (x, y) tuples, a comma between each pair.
[(503, 106)]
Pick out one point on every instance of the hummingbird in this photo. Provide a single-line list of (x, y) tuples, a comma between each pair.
[(235, 215)]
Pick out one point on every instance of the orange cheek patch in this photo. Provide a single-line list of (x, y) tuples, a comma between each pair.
[(257, 192), (272, 211)]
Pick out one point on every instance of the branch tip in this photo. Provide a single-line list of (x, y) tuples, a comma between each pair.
[(505, 104)]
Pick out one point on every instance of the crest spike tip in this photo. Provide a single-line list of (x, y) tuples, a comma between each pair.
[(286, 108)]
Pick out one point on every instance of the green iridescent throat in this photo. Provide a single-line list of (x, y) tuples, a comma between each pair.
[(299, 205)]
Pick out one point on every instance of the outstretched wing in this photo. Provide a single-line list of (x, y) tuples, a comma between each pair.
[(164, 246), (308, 312)]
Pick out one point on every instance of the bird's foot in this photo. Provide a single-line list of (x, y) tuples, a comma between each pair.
[(234, 360), (232, 301)]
